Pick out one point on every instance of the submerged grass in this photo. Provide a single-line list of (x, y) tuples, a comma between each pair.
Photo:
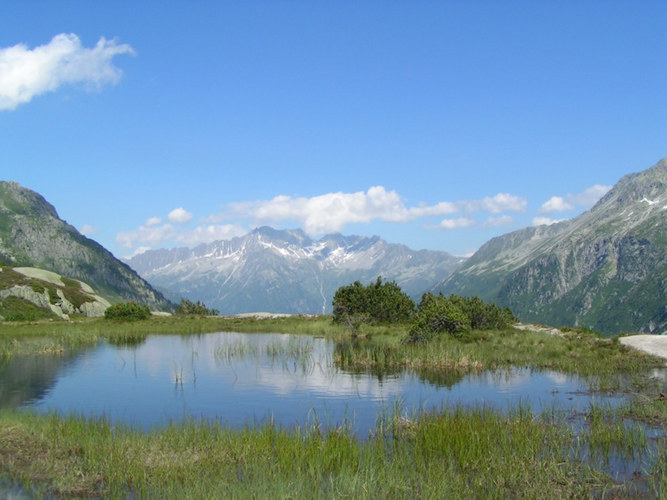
[(453, 453)]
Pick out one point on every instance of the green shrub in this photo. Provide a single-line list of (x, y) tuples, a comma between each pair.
[(484, 316), (438, 314), (456, 316), (376, 303), (127, 311)]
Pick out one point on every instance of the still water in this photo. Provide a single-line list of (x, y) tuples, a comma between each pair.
[(247, 379)]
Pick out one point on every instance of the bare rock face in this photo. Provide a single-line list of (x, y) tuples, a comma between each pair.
[(605, 270), (32, 234), (93, 309)]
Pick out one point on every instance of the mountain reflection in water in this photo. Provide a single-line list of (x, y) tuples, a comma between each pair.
[(245, 379)]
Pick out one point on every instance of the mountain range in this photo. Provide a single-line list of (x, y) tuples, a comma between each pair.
[(286, 271), (605, 270), (33, 235)]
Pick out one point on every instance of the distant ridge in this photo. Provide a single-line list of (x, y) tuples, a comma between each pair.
[(605, 270), (32, 235), (285, 271)]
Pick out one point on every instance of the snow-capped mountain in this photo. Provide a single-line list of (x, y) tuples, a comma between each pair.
[(286, 271)]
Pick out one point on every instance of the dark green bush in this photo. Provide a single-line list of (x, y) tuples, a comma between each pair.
[(376, 303), (483, 315), (456, 316), (438, 314), (127, 311)]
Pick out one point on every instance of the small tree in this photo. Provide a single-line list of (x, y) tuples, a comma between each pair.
[(127, 311), (388, 303), (483, 315), (350, 300), (456, 316), (198, 308), (438, 314)]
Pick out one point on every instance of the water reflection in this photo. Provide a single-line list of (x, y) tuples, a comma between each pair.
[(242, 379), (30, 378)]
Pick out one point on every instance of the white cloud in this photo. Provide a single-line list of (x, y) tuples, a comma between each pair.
[(179, 216), (503, 202), (153, 221), (329, 213), (87, 230), (585, 199), (26, 73), (321, 214), (153, 233), (555, 204), (456, 223), (209, 233), (503, 220), (442, 208), (146, 235), (590, 196)]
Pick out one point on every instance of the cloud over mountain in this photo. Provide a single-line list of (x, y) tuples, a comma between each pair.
[(322, 214), (331, 212), (586, 199)]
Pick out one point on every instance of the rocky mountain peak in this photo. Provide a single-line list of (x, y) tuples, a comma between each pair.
[(17, 199)]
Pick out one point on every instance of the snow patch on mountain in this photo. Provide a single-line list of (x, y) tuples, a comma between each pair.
[(287, 271)]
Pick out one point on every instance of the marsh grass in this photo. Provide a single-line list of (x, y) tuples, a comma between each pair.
[(453, 453), (238, 349), (294, 352), (585, 354), (609, 434)]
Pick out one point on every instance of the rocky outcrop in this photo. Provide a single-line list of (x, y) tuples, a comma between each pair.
[(52, 293)]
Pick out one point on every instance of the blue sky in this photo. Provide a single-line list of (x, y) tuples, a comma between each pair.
[(433, 124)]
